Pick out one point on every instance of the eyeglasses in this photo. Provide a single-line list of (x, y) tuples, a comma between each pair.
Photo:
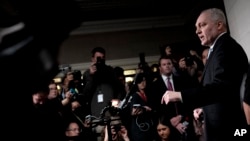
[(75, 129)]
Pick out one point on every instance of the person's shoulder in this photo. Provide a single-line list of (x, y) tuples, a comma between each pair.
[(156, 82), (86, 71), (109, 66), (135, 94)]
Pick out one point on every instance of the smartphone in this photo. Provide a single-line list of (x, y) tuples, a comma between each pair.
[(136, 105), (72, 91), (185, 123), (117, 127)]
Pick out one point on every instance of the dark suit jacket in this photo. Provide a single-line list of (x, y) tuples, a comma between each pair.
[(157, 91), (247, 88), (158, 88), (220, 90)]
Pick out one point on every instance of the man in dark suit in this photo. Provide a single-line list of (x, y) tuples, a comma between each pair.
[(219, 93), (175, 112)]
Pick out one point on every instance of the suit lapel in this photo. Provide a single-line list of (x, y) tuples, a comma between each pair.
[(161, 82), (210, 59)]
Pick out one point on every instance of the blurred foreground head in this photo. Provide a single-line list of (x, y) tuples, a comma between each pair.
[(31, 33)]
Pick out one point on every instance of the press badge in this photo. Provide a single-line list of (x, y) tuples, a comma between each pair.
[(100, 98)]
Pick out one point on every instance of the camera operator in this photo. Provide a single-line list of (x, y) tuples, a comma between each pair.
[(118, 131), (188, 68), (114, 130), (99, 85)]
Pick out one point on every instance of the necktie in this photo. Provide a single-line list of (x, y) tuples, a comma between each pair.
[(209, 52), (170, 88), (169, 84)]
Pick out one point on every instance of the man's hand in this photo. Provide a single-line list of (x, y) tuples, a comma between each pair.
[(147, 108), (75, 105), (171, 96), (87, 123), (176, 120), (137, 111), (92, 68), (68, 95), (181, 128), (197, 112), (124, 133)]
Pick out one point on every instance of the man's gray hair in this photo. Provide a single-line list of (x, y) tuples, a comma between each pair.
[(217, 15)]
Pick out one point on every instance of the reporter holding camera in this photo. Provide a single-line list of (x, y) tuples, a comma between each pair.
[(99, 85), (118, 131)]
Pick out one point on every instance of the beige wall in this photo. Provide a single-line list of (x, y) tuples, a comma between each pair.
[(122, 47), (238, 12)]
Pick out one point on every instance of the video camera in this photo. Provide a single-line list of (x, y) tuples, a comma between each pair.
[(117, 127), (104, 119), (201, 118), (100, 63), (77, 74), (143, 65), (189, 61), (99, 60), (112, 108)]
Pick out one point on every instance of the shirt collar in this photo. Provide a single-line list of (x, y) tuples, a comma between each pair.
[(165, 77), (212, 46)]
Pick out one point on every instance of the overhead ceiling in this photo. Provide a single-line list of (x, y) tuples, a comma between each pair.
[(131, 17), (114, 15), (99, 10), (120, 9)]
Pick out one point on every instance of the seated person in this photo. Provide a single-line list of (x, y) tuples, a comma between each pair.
[(164, 129), (73, 131)]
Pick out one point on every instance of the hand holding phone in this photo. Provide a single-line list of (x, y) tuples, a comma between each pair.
[(136, 105), (72, 91), (137, 109)]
